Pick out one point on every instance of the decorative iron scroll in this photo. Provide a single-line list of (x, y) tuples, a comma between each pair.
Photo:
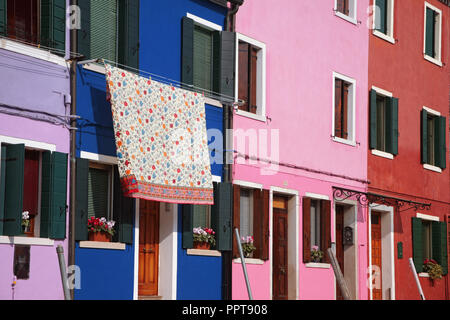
[(371, 199)]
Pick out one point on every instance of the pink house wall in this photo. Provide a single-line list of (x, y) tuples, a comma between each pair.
[(306, 42)]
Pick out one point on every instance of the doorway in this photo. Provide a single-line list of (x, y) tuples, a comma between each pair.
[(280, 248), (148, 273)]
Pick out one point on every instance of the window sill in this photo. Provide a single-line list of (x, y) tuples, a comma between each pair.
[(344, 141), (318, 265), (346, 18), (207, 253), (383, 154), (102, 245), (249, 261), (424, 275), (95, 67), (27, 241), (213, 102), (432, 60), (383, 36), (31, 51), (251, 115), (432, 168)]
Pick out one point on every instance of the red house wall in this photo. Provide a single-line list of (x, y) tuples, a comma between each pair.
[(401, 69)]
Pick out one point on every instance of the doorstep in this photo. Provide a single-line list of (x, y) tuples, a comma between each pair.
[(150, 298)]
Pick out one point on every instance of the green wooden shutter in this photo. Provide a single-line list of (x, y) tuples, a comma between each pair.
[(14, 177), (187, 51), (441, 145), (228, 63), (187, 227), (203, 58), (2, 186), (216, 60), (127, 220), (439, 244), (81, 213), (54, 195), (3, 17), (392, 125), (53, 24), (129, 33), (430, 33), (221, 215), (417, 244), (382, 19), (117, 203), (84, 34), (424, 126), (98, 193), (104, 17), (373, 119)]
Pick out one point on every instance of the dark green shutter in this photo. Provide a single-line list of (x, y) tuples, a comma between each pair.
[(441, 145), (104, 29), (53, 24), (2, 186), (424, 131), (392, 125), (129, 33), (127, 220), (221, 215), (117, 203), (3, 17), (373, 119), (227, 67), (216, 59), (430, 33), (187, 227), (417, 244), (81, 214), (84, 34), (14, 177), (439, 244), (98, 193), (187, 51), (382, 10), (54, 195), (203, 58)]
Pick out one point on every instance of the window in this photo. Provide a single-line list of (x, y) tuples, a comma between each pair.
[(434, 147), (316, 227), (383, 18), (250, 68), (33, 181), (217, 217), (39, 22), (346, 9), (99, 194), (343, 108), (100, 191), (251, 218), (429, 237), (203, 58), (110, 30), (433, 34), (383, 122)]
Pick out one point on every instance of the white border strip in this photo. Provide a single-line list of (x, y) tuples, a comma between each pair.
[(316, 196), (28, 143), (98, 157), (433, 112), (205, 23), (383, 92), (427, 217), (248, 184), (26, 241), (102, 245)]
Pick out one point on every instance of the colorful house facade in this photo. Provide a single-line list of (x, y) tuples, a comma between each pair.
[(407, 157), (34, 136), (304, 121)]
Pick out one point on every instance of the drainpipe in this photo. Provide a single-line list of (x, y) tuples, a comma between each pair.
[(73, 147), (227, 256)]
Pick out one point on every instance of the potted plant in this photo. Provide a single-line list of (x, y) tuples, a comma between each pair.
[(247, 246), (100, 229), (316, 254), (433, 269), (25, 221), (204, 238)]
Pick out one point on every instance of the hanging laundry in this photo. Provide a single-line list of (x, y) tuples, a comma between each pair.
[(161, 139)]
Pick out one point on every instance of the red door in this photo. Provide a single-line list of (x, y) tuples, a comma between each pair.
[(148, 248), (280, 249), (340, 244), (376, 256)]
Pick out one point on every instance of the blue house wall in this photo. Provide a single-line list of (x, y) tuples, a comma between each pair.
[(105, 274), (160, 54)]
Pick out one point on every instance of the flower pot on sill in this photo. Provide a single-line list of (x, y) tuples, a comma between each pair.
[(99, 236), (202, 245)]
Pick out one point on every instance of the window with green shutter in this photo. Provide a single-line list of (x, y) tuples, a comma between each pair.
[(434, 142), (99, 192), (383, 123), (433, 34), (104, 34), (381, 15)]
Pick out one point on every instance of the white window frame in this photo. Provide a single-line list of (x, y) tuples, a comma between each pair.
[(261, 79), (438, 44), (389, 37), (352, 17), (351, 108), (426, 165), (376, 152)]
